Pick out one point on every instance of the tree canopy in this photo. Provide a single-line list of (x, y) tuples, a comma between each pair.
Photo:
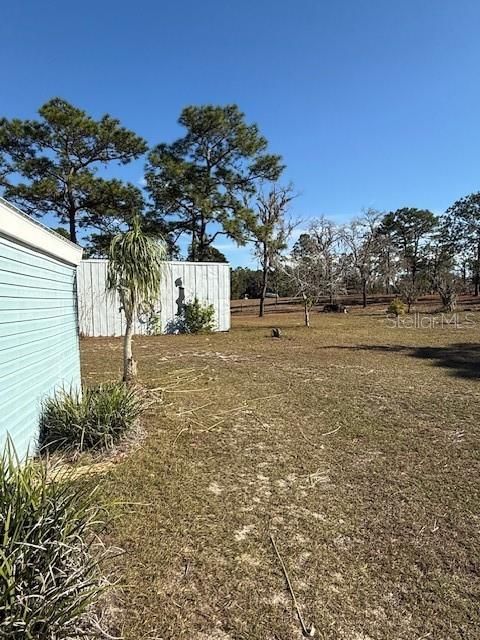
[(205, 179), (463, 230), (51, 165)]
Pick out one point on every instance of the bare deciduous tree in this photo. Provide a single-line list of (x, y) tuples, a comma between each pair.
[(326, 245), (271, 231), (316, 266), (360, 237)]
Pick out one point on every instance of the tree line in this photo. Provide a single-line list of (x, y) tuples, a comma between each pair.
[(220, 179), (202, 185), (407, 252)]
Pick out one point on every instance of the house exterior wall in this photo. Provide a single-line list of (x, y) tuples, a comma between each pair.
[(39, 348), (99, 310)]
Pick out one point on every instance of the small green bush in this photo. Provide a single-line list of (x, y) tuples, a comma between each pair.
[(49, 555), (154, 325), (93, 420), (396, 307), (198, 318)]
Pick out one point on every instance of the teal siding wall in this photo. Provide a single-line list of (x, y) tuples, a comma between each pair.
[(39, 348)]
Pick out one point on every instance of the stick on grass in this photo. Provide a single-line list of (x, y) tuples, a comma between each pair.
[(308, 632)]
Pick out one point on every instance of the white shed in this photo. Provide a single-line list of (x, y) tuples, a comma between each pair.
[(99, 310), (39, 348)]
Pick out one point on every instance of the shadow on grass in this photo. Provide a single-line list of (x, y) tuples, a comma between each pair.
[(462, 359)]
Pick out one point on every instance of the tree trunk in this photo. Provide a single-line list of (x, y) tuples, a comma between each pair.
[(306, 310), (129, 364), (203, 243), (477, 271), (263, 292), (364, 293), (73, 227)]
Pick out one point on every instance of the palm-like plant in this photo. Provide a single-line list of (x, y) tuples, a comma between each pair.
[(135, 270)]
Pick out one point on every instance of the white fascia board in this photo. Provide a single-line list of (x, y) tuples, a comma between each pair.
[(16, 225), (209, 264)]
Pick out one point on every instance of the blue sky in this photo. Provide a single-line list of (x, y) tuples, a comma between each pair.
[(370, 102)]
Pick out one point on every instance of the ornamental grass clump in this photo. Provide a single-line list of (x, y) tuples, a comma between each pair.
[(95, 419), (50, 554)]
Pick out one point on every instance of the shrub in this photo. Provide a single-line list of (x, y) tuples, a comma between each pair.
[(49, 559), (154, 324), (396, 307), (95, 419), (198, 318)]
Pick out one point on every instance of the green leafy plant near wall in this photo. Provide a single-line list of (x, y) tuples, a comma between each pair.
[(154, 324), (198, 318), (93, 420), (50, 556)]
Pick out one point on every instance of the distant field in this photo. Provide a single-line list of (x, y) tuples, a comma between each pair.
[(354, 443)]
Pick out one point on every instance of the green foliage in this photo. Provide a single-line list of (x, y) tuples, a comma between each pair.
[(410, 230), (396, 307), (49, 559), (198, 318), (93, 420), (49, 166), (98, 244), (210, 254), (135, 268), (462, 228), (245, 282), (154, 324), (206, 178)]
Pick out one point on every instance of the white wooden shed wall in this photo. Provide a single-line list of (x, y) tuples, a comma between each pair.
[(99, 313)]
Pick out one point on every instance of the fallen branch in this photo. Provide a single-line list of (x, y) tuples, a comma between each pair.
[(178, 435), (308, 632), (329, 433)]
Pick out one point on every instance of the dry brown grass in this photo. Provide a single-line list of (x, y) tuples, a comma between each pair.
[(355, 444)]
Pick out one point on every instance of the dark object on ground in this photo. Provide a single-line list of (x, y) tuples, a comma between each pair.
[(276, 332), (335, 308)]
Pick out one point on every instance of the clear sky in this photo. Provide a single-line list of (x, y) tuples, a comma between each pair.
[(370, 102)]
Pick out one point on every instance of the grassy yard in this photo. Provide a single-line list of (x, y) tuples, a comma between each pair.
[(355, 444)]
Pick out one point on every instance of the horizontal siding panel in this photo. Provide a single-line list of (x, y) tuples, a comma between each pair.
[(16, 253), (21, 394), (12, 316), (31, 348), (39, 349), (36, 304), (34, 282), (35, 326), (22, 268), (34, 373)]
